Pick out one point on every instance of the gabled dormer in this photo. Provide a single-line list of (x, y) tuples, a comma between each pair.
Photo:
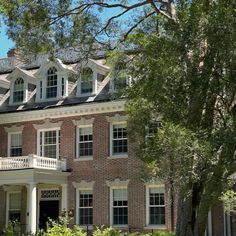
[(20, 83), (52, 81), (91, 75)]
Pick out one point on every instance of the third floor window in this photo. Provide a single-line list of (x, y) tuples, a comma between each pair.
[(51, 85), (18, 93)]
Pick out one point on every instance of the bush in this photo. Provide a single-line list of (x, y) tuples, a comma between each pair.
[(60, 228), (106, 232)]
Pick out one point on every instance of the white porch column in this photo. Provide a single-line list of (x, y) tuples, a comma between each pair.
[(32, 207), (64, 198)]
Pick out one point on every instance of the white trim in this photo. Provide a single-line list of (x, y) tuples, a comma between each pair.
[(227, 224), (9, 134), (8, 203), (116, 155), (57, 129), (149, 226), (111, 204), (82, 185), (58, 112), (77, 157)]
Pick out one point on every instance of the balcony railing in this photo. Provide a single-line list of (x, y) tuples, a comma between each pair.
[(31, 161)]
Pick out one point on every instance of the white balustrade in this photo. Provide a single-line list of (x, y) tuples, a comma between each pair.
[(31, 161)]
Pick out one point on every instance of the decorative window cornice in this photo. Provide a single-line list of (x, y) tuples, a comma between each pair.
[(83, 184), (116, 118), (83, 121), (14, 128), (48, 125), (117, 183), (9, 188), (154, 182)]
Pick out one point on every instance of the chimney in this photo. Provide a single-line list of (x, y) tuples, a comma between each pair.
[(15, 55)]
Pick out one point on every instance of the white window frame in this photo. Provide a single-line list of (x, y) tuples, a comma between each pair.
[(25, 96), (57, 141), (79, 82), (8, 204), (78, 141), (148, 225), (9, 141), (78, 191), (118, 155), (112, 207), (41, 95)]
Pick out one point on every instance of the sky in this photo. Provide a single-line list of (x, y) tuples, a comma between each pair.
[(5, 43)]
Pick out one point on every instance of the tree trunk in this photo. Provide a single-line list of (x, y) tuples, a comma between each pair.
[(184, 217)]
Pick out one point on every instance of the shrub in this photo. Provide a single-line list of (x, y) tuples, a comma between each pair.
[(106, 232)]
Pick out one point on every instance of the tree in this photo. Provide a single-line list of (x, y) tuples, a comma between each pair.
[(183, 59)]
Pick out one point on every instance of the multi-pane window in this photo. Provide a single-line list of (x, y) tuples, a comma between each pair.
[(119, 139), (86, 81), (156, 206), (120, 206), (15, 145), (151, 130), (50, 143), (85, 207), (18, 90), (51, 84), (85, 142), (14, 211)]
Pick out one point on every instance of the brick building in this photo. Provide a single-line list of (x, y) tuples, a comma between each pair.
[(64, 147)]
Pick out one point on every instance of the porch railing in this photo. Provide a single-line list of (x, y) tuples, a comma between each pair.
[(31, 161)]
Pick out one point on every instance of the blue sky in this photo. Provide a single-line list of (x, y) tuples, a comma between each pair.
[(5, 43)]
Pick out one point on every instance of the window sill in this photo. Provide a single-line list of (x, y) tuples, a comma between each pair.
[(89, 158), (155, 227), (117, 157), (85, 227), (120, 226)]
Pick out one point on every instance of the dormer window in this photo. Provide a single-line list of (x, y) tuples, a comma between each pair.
[(86, 81), (18, 93), (51, 88)]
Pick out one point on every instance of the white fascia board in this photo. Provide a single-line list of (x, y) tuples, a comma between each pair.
[(60, 112)]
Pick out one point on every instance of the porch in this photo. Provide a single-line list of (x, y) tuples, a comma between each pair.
[(31, 161), (30, 178)]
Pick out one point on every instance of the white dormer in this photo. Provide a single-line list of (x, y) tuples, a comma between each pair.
[(52, 81), (19, 81), (89, 72)]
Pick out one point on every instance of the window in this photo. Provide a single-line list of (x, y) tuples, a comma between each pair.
[(119, 206), (15, 144), (85, 142), (62, 87), (156, 206), (51, 86), (18, 90), (86, 81), (41, 89), (14, 209), (151, 130), (85, 207), (50, 143), (119, 139)]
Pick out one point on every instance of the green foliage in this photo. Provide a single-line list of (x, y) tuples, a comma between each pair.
[(106, 232), (61, 228), (229, 200)]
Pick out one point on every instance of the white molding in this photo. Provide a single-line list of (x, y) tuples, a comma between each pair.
[(12, 188), (117, 183), (47, 125), (83, 185), (14, 129), (58, 112), (83, 122), (117, 118)]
